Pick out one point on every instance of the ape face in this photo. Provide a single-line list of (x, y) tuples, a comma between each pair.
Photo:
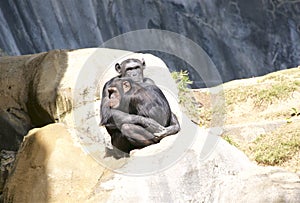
[(114, 97), (132, 68), (117, 91), (136, 73)]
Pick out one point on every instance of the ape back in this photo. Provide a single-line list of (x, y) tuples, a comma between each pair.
[(148, 101)]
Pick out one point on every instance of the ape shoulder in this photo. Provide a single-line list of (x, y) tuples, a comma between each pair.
[(148, 81)]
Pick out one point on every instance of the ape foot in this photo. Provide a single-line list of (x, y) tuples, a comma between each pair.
[(116, 153)]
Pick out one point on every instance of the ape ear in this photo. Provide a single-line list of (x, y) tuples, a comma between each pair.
[(126, 86), (143, 62), (118, 68)]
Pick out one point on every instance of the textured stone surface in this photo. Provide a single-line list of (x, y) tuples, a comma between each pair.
[(260, 185), (244, 39), (51, 167), (28, 87)]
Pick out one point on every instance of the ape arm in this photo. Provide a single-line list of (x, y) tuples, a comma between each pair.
[(149, 124), (173, 125), (170, 130)]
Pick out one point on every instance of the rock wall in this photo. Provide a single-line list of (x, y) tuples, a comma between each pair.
[(243, 39)]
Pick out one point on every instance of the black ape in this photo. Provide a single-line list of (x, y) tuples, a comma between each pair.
[(132, 68), (139, 112)]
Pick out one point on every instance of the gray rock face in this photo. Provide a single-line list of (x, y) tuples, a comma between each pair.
[(243, 38)]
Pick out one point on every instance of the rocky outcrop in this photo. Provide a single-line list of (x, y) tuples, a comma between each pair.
[(28, 87), (68, 162), (51, 166), (243, 39)]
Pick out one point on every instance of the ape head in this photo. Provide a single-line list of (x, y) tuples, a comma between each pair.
[(132, 68), (117, 92)]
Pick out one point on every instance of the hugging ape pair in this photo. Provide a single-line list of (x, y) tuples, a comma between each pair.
[(134, 110)]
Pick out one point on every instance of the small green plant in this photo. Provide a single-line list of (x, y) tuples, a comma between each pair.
[(230, 141), (295, 112), (183, 81), (270, 151), (184, 95), (296, 83)]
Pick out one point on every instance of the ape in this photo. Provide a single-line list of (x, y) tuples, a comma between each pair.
[(132, 68), (140, 113)]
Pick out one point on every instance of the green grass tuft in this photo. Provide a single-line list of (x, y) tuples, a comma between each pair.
[(270, 151), (275, 92)]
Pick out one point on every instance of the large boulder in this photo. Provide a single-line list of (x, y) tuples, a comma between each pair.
[(68, 162), (28, 87), (51, 166)]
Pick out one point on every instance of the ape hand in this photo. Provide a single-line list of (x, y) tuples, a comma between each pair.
[(170, 130), (151, 125), (161, 134)]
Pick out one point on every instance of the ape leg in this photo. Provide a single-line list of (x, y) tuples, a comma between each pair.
[(119, 142), (138, 136)]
